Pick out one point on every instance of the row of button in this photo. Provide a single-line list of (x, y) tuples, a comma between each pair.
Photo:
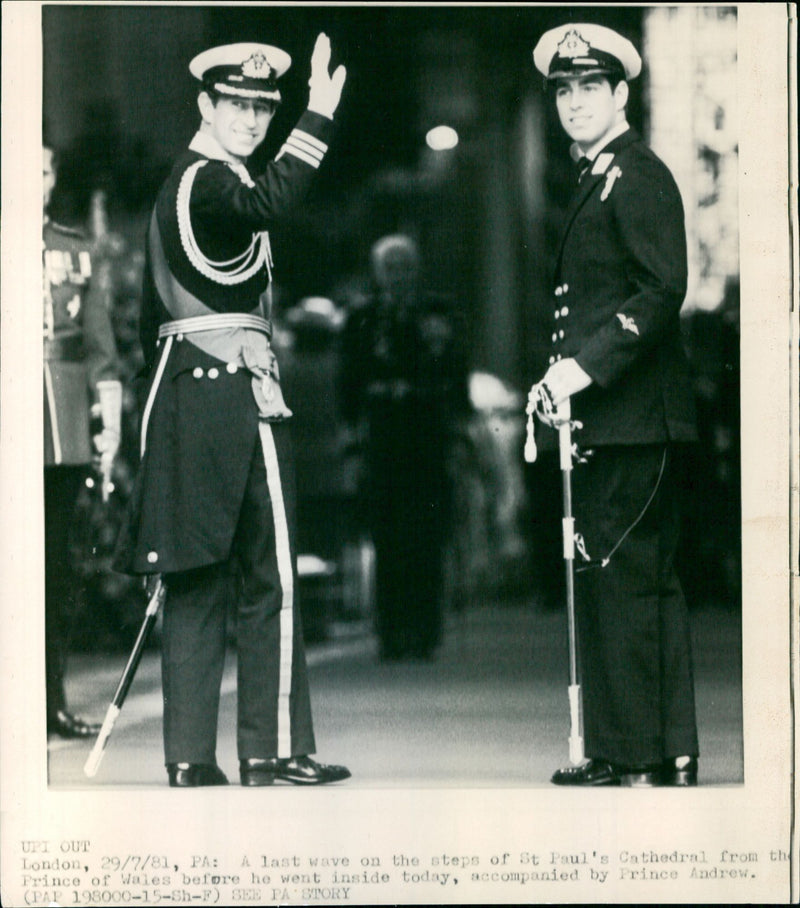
[(213, 372), (563, 312)]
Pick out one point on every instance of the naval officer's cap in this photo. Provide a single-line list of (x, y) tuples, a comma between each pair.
[(582, 49), (243, 70)]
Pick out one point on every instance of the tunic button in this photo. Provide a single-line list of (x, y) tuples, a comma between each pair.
[(213, 372), (197, 372), (179, 337), (558, 356), (552, 360), (231, 367), (555, 337), (565, 310), (556, 313), (559, 291), (566, 287), (152, 557), (561, 333)]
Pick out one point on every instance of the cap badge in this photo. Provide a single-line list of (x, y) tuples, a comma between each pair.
[(573, 45), (254, 66)]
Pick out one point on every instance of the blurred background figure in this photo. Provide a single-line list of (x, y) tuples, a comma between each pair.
[(82, 407), (488, 553), (404, 395), (306, 337)]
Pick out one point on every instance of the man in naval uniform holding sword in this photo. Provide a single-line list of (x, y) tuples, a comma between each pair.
[(212, 510), (616, 354)]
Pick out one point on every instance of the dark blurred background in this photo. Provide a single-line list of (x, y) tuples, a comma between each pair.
[(119, 104)]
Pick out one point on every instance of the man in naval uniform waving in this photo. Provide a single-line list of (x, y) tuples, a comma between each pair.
[(616, 353), (212, 510)]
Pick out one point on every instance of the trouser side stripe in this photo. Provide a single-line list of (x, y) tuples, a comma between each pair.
[(286, 575)]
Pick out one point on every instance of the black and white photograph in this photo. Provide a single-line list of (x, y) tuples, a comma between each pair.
[(417, 443)]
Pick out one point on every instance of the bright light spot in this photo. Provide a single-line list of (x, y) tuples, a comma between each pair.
[(442, 138)]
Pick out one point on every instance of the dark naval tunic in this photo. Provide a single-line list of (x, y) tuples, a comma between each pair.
[(619, 286), (202, 423)]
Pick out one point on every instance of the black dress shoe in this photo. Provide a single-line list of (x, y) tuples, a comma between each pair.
[(594, 772), (680, 772), (192, 775), (601, 772), (66, 725), (639, 776), (298, 770)]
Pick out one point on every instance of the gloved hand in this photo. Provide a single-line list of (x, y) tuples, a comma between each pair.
[(565, 378), (107, 441), (107, 444), (325, 90)]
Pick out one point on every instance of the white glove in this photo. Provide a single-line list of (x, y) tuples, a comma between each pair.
[(565, 378), (324, 90), (107, 442)]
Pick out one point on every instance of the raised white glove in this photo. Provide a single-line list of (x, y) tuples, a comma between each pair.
[(325, 90)]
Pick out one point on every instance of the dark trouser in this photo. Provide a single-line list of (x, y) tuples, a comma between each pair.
[(633, 628), (407, 523), (274, 710), (408, 617), (61, 486)]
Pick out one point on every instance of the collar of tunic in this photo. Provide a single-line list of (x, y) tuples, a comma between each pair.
[(594, 151), (205, 144)]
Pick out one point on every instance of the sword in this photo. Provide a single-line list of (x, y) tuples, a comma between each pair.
[(541, 404), (154, 604)]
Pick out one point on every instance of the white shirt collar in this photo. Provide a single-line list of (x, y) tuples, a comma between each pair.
[(205, 144), (576, 154)]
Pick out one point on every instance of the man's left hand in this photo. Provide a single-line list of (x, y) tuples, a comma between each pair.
[(564, 379), (107, 445)]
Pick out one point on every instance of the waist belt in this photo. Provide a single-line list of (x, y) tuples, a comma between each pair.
[(243, 339), (216, 322), (70, 348)]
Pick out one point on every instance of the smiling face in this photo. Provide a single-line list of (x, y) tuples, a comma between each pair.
[(238, 124), (589, 108)]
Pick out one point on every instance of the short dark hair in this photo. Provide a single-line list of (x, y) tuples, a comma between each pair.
[(211, 92), (217, 96), (613, 77)]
